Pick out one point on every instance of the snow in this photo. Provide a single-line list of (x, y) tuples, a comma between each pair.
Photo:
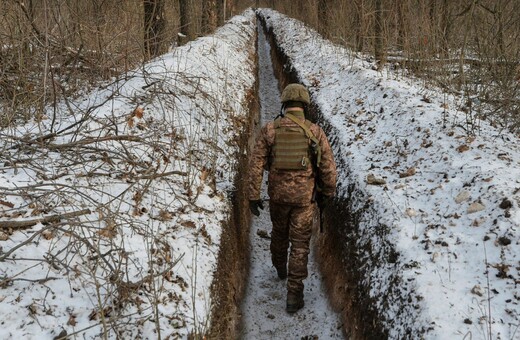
[(152, 155), (157, 190), (385, 125)]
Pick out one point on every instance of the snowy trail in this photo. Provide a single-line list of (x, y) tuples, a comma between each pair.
[(264, 315)]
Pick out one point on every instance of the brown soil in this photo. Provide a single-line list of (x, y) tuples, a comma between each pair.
[(233, 259)]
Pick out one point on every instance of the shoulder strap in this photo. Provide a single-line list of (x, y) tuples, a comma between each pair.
[(277, 122), (309, 134)]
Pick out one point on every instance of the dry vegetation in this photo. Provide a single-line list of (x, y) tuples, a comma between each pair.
[(51, 49), (54, 48), (125, 167), (468, 47)]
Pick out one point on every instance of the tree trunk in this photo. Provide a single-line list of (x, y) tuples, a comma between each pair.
[(99, 21), (500, 30), (311, 10), (379, 48), (445, 27), (187, 28), (226, 9), (433, 27), (359, 23), (402, 10), (231, 8), (209, 16), (154, 24), (221, 12), (322, 18), (461, 80)]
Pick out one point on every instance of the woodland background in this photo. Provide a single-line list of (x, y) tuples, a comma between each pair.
[(54, 49)]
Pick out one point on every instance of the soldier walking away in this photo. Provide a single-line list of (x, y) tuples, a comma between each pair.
[(302, 172)]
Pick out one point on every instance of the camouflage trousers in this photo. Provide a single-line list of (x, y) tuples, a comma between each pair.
[(291, 225)]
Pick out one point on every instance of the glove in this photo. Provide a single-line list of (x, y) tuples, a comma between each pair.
[(323, 201), (254, 205)]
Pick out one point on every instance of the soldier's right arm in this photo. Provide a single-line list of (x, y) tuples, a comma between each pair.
[(257, 163), (327, 169)]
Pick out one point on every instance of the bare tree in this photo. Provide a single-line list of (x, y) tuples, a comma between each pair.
[(228, 9), (209, 15), (322, 18), (232, 6), (379, 49), (154, 24), (445, 28), (221, 12), (359, 24), (186, 20), (310, 10)]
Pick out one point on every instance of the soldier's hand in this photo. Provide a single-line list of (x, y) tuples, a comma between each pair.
[(255, 205)]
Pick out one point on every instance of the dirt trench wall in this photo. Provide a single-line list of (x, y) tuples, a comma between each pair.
[(344, 260), (232, 270)]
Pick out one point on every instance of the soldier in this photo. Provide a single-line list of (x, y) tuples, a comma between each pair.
[(302, 171)]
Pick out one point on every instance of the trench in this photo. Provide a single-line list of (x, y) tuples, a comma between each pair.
[(339, 256), (263, 307), (341, 260), (249, 297)]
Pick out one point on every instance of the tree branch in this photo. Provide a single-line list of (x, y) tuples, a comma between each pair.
[(45, 219)]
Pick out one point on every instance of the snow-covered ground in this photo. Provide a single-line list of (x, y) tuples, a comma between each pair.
[(145, 164), (263, 309), (440, 232)]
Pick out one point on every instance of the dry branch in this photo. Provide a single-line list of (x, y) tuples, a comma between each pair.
[(164, 174), (94, 140), (45, 219)]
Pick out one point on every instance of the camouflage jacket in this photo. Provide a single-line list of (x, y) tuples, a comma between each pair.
[(292, 187)]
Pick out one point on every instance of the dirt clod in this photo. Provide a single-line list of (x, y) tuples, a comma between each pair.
[(506, 204), (504, 241), (263, 234)]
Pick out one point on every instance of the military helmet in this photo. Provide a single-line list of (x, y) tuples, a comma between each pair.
[(297, 93)]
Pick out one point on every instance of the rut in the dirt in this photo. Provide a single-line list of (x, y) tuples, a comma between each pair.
[(263, 309)]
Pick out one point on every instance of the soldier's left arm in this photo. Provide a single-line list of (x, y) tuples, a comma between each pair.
[(327, 170)]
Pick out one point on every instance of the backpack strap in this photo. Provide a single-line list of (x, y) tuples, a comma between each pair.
[(277, 122), (309, 134)]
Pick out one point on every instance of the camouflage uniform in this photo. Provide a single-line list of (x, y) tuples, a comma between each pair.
[(291, 199)]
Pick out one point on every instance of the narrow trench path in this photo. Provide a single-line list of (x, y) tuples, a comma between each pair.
[(263, 309)]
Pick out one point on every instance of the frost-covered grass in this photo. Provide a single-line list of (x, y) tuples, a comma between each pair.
[(449, 205), (144, 163)]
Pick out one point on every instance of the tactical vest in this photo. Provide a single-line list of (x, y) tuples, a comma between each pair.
[(291, 150)]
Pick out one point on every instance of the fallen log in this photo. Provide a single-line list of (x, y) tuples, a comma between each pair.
[(45, 219)]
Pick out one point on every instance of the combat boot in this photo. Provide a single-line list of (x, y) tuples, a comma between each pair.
[(294, 302), (282, 272)]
